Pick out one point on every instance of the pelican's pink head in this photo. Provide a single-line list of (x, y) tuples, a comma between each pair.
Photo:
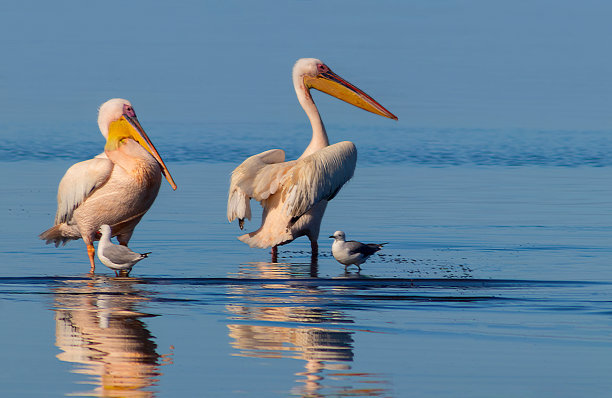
[(117, 121), (111, 111), (313, 73)]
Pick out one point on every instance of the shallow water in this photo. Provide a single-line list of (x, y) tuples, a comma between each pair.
[(493, 191), (484, 288)]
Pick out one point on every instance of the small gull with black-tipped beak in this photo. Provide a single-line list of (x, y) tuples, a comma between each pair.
[(117, 257), (352, 252)]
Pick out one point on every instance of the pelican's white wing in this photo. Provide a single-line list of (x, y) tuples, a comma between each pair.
[(80, 180), (317, 177), (303, 182), (257, 177)]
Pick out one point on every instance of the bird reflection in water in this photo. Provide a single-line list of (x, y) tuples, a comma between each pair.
[(99, 330), (303, 326)]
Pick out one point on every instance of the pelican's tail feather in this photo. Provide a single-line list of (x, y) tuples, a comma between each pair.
[(58, 234), (262, 240)]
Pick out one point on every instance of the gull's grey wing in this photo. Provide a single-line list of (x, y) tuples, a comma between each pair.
[(355, 247), (121, 254)]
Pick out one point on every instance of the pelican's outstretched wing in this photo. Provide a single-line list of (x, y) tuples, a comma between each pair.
[(303, 182), (257, 177), (80, 180), (317, 177)]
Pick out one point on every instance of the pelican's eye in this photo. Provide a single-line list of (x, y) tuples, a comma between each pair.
[(322, 68), (128, 110)]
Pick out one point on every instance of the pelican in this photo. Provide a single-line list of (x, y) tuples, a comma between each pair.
[(116, 187), (294, 194)]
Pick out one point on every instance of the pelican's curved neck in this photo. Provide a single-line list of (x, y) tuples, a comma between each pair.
[(319, 135)]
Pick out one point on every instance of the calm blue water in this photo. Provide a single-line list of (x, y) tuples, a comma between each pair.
[(496, 281), (383, 144), (493, 191)]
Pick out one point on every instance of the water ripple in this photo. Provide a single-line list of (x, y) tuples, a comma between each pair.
[(428, 147), (358, 282)]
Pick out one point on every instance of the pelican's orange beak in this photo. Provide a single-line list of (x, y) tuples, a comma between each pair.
[(332, 84), (143, 139), (127, 126)]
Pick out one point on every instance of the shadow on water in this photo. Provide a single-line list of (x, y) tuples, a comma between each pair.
[(99, 329)]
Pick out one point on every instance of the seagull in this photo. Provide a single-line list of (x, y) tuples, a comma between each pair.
[(352, 252), (117, 257)]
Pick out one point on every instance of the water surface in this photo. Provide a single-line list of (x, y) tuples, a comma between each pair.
[(509, 292), (493, 191)]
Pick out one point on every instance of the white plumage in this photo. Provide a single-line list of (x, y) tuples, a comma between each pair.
[(294, 194), (80, 180)]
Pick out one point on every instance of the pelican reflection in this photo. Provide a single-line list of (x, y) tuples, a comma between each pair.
[(99, 330), (303, 324)]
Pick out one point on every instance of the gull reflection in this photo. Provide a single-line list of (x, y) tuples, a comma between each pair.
[(99, 330), (304, 325)]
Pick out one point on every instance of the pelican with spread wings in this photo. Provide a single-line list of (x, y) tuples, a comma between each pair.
[(117, 187), (294, 194)]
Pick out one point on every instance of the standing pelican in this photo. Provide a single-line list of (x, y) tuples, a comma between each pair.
[(294, 194), (117, 187)]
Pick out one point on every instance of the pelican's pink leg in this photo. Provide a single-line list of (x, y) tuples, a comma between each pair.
[(274, 254), (91, 251)]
